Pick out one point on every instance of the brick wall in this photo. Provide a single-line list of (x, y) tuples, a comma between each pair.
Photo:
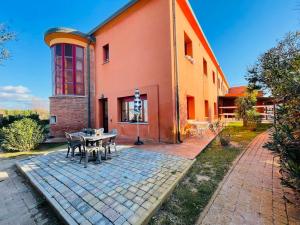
[(71, 114)]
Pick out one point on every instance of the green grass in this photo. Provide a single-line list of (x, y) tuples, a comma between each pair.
[(194, 192), (41, 149)]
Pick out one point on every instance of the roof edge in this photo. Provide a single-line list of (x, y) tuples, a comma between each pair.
[(113, 16), (66, 30), (207, 42)]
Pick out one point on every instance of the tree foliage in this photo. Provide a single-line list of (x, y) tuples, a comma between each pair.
[(5, 36), (245, 107), (278, 72)]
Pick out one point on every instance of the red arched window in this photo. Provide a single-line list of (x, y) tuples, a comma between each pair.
[(68, 69)]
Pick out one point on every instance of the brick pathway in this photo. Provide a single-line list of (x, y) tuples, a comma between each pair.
[(19, 204), (252, 193), (124, 190)]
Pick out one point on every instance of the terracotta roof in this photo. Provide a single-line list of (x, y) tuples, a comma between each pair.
[(237, 91), (240, 91)]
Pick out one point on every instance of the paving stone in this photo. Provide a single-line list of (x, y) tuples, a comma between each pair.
[(134, 219), (111, 214), (120, 221)]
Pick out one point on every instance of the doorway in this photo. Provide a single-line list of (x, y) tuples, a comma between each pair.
[(103, 105)]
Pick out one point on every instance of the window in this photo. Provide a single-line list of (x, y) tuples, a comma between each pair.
[(204, 67), (219, 83), (188, 46), (68, 71), (106, 53), (127, 109), (53, 120), (215, 109), (190, 108), (214, 76), (206, 108)]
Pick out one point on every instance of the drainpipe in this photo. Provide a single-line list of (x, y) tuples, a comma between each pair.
[(178, 138), (218, 101), (88, 58)]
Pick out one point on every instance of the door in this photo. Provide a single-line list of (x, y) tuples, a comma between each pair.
[(104, 114)]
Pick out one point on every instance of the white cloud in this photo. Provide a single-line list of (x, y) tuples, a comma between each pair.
[(15, 89), (20, 97)]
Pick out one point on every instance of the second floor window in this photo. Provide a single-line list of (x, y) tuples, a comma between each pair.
[(204, 67), (68, 69), (214, 76), (188, 46), (106, 53)]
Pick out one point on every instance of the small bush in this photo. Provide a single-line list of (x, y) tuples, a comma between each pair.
[(253, 119), (22, 135), (225, 140)]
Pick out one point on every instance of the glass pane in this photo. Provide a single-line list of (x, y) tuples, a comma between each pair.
[(79, 52), (145, 102), (79, 89), (68, 63), (124, 111), (79, 65), (69, 89), (59, 90), (131, 111), (68, 50), (69, 76), (79, 77), (58, 50), (58, 62)]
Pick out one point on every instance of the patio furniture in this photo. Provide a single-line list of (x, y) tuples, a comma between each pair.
[(72, 144), (112, 141), (105, 145), (99, 131), (201, 126), (87, 150)]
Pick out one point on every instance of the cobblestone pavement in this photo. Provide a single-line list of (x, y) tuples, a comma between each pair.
[(19, 203), (252, 193), (123, 190)]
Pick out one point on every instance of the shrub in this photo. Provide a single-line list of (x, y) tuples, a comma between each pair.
[(253, 119), (225, 138), (9, 119), (22, 135)]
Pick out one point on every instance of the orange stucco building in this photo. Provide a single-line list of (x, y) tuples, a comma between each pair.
[(156, 46)]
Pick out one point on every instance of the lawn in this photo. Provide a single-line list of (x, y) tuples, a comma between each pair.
[(194, 192), (41, 149)]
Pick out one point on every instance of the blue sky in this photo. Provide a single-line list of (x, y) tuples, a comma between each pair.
[(238, 32)]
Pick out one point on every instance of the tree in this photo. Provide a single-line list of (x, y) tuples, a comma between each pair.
[(245, 107), (278, 72), (5, 36)]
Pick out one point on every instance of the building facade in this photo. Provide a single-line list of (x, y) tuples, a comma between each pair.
[(156, 46), (264, 106)]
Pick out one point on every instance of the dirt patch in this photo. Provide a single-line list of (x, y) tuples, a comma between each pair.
[(202, 178), (235, 144)]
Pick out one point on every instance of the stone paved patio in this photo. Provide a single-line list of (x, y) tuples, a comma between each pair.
[(252, 193), (190, 148), (124, 190)]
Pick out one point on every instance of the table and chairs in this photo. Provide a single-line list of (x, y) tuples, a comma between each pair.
[(199, 127), (93, 144)]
